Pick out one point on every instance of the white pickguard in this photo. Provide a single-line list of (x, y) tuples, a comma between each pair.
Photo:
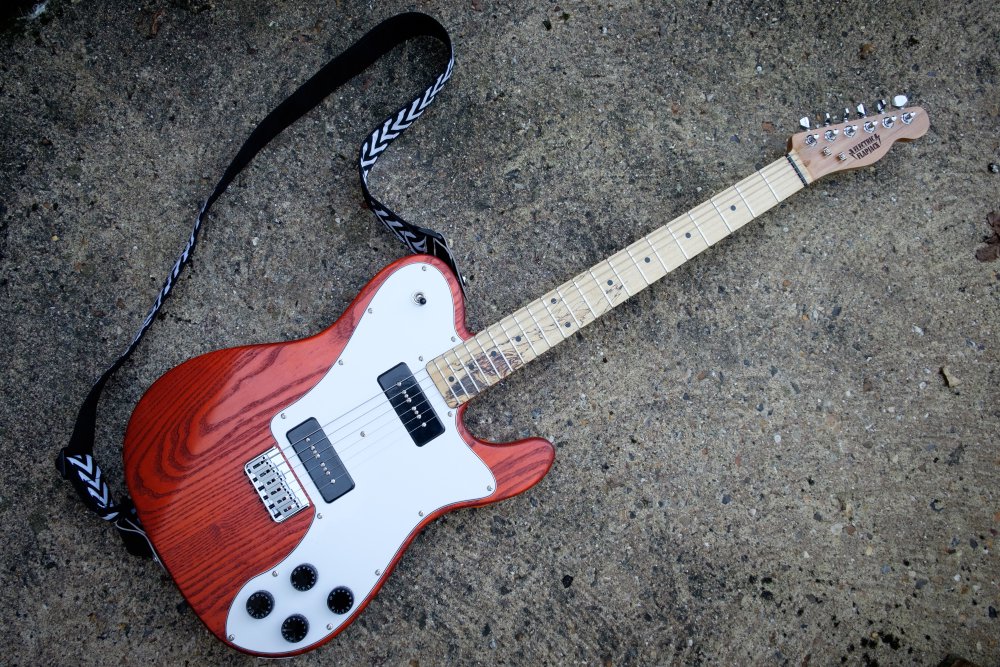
[(352, 540)]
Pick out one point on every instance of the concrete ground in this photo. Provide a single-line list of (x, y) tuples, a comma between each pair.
[(760, 460)]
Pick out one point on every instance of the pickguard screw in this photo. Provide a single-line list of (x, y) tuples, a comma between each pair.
[(423, 268), (370, 310), (420, 358), (340, 363), (319, 516), (489, 487), (452, 339), (329, 626), (378, 573), (274, 573), (362, 434), (231, 637), (420, 513), (283, 416), (449, 413)]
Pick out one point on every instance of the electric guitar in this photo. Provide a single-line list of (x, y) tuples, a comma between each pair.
[(281, 483)]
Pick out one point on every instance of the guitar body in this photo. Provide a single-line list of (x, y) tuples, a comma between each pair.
[(278, 562)]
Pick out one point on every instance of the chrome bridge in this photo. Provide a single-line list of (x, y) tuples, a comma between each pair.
[(276, 485)]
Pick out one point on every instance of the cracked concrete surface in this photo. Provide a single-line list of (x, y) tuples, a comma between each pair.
[(760, 460)]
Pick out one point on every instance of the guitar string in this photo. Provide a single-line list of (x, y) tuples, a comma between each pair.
[(421, 375)]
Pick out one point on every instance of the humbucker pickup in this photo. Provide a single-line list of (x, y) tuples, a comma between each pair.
[(276, 485), (408, 400), (320, 460)]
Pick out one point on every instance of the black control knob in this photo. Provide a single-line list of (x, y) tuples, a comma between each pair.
[(260, 604), (295, 628), (340, 600), (304, 577)]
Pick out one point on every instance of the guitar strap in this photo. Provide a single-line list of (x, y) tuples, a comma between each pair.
[(75, 462)]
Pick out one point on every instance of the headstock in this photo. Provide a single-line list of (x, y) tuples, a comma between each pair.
[(856, 142)]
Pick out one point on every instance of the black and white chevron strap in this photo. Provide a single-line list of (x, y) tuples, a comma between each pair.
[(75, 462)]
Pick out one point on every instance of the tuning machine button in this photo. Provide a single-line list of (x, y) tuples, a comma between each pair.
[(880, 106), (303, 577), (861, 111), (260, 604), (899, 101), (295, 628), (340, 600)]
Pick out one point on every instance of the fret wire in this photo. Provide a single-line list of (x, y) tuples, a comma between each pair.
[(497, 347), (598, 283), (584, 297), (656, 252), (461, 375), (525, 333), (745, 202), (703, 237), (773, 193), (488, 358), (638, 266), (512, 343), (615, 271), (540, 330), (724, 221), (468, 371), (677, 241), (444, 378), (548, 310), (569, 308)]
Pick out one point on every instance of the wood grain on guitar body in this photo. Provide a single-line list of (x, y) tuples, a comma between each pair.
[(332, 452)]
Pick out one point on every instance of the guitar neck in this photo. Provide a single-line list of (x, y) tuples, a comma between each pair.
[(482, 361)]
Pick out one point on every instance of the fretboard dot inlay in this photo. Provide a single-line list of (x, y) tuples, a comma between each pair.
[(611, 282), (733, 207), (553, 299), (687, 235), (647, 260), (567, 325), (517, 338)]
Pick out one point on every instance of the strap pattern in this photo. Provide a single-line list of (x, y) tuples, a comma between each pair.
[(75, 462)]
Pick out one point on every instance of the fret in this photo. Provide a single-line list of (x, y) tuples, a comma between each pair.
[(546, 300), (692, 244), (614, 271), (768, 184), (598, 283), (745, 203), (496, 346), (656, 253), (469, 372), (717, 210), (584, 297), (638, 266), (523, 332), (525, 335), (451, 387), (541, 331), (678, 242), (568, 307), (460, 374), (513, 342), (488, 356), (698, 227)]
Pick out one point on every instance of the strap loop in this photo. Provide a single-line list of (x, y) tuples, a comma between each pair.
[(75, 462)]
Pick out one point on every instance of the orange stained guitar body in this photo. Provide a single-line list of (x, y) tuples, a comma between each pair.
[(197, 426)]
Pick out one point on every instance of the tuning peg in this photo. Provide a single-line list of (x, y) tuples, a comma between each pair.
[(826, 119), (847, 114), (804, 123), (861, 111), (880, 106), (899, 101)]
